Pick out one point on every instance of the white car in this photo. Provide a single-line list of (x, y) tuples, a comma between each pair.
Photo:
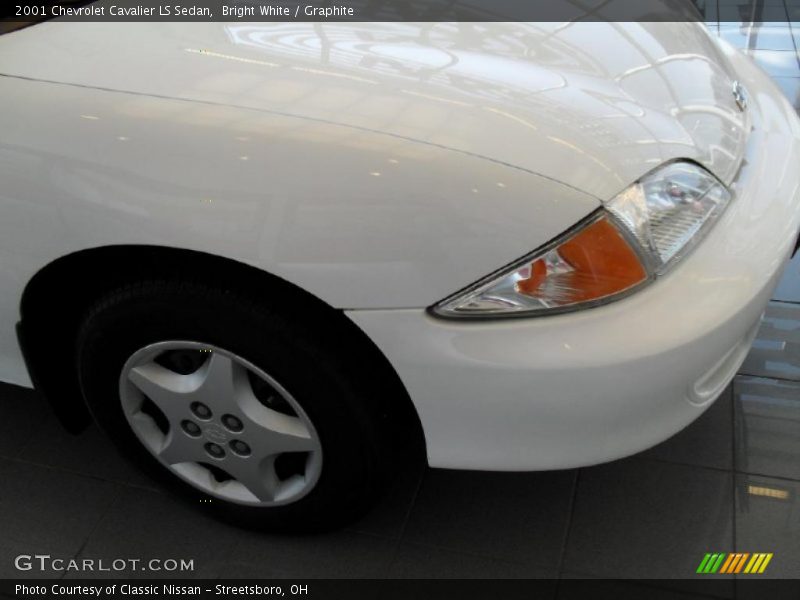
[(272, 258)]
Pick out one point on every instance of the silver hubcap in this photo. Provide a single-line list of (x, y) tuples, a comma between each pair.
[(220, 423)]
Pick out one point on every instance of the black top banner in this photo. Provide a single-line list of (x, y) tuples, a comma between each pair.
[(366, 10)]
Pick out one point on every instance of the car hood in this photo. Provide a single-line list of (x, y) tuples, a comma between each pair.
[(591, 105)]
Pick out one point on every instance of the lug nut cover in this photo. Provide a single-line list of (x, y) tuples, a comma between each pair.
[(232, 423), (191, 428), (240, 448), (200, 410), (214, 450)]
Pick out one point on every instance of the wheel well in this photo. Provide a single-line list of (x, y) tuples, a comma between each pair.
[(56, 298)]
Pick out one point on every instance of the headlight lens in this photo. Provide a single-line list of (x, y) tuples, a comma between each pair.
[(637, 236), (667, 209)]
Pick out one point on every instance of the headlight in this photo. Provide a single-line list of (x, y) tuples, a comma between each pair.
[(667, 210), (636, 237)]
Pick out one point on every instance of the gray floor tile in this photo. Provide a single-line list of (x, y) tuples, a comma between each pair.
[(138, 478), (389, 515), (145, 525), (768, 520), (51, 511), (776, 349), (423, 562), (767, 427), (29, 431), (22, 413), (90, 452), (735, 36), (760, 37), (706, 442), (789, 286), (335, 555), (777, 63), (773, 23), (794, 23), (509, 516), (643, 519), (771, 38)]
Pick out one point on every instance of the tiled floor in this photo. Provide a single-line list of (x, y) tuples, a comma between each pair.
[(730, 482)]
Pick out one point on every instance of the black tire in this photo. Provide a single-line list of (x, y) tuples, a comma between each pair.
[(308, 361)]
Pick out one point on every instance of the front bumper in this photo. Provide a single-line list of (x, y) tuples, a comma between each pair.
[(591, 386)]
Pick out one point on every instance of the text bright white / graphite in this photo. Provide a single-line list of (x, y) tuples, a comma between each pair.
[(269, 10)]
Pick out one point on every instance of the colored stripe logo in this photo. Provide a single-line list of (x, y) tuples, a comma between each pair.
[(736, 562)]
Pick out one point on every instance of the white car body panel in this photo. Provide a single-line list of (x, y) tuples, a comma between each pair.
[(587, 104), (382, 167), (599, 384), (304, 205)]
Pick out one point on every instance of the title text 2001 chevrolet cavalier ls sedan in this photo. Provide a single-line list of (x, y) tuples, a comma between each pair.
[(268, 257)]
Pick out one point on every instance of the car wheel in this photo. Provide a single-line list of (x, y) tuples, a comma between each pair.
[(252, 413)]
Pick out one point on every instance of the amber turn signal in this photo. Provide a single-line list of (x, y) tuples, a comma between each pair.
[(596, 262)]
